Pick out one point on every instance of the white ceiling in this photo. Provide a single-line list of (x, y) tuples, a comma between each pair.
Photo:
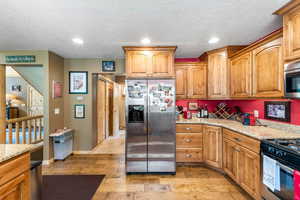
[(106, 25)]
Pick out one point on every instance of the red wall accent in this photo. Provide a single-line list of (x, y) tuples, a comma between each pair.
[(248, 106)]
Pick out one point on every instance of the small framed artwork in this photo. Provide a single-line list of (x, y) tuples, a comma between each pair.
[(278, 110), (192, 106), (78, 82), (79, 111), (57, 89), (108, 66)]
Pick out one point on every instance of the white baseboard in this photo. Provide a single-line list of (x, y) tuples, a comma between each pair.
[(48, 162)]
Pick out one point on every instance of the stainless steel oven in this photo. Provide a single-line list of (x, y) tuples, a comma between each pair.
[(292, 80)]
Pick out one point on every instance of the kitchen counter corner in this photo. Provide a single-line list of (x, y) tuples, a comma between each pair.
[(8, 151)]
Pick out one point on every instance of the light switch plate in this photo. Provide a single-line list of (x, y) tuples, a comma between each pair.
[(56, 111), (256, 113)]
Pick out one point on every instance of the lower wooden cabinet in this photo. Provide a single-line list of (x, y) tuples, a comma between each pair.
[(212, 146), (191, 155), (15, 178), (241, 162)]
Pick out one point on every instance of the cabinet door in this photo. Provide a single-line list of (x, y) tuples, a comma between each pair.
[(268, 70), (162, 64), (217, 75), (197, 82), (230, 158), (212, 146), (181, 82), (137, 63), (291, 31), (249, 172), (240, 76), (16, 189)]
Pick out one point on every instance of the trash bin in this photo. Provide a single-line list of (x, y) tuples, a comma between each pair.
[(36, 180), (63, 144)]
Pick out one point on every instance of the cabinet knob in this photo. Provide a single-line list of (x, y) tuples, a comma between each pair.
[(188, 140), (188, 155)]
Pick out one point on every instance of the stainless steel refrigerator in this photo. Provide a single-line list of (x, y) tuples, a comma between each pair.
[(150, 126)]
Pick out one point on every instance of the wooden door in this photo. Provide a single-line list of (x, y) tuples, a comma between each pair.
[(162, 64), (268, 70), (122, 122), (110, 109), (138, 63), (291, 26), (181, 82), (212, 146), (101, 110), (217, 75), (197, 82), (16, 189), (240, 70), (230, 158), (249, 172)]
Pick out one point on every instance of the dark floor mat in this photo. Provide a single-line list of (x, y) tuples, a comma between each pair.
[(67, 187)]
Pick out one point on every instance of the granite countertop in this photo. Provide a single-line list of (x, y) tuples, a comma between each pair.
[(8, 151), (257, 132)]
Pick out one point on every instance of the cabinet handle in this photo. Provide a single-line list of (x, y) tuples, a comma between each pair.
[(188, 140), (238, 139), (188, 128), (237, 150), (188, 155)]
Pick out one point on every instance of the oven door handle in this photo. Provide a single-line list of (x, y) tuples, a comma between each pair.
[(287, 169)]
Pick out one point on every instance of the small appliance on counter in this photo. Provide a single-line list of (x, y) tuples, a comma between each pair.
[(248, 119), (280, 169)]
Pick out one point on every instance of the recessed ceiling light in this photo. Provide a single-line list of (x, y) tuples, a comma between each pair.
[(77, 41), (213, 40), (145, 41)]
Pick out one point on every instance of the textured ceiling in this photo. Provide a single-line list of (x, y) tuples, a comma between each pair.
[(106, 25)]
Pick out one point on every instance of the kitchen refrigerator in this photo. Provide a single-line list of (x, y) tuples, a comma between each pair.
[(150, 126)]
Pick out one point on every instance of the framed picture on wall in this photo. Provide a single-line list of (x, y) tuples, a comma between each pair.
[(278, 110), (193, 106), (78, 82), (79, 111), (108, 66)]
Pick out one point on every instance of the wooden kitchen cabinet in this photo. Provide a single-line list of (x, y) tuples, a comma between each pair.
[(191, 80), (15, 178), (218, 73), (291, 30), (241, 161), (149, 61), (212, 146), (230, 158), (268, 70), (240, 69)]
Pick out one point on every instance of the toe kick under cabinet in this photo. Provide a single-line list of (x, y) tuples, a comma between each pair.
[(189, 143)]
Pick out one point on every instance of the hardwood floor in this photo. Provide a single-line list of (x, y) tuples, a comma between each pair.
[(110, 146), (189, 183)]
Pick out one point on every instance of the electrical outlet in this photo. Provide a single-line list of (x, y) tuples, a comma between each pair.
[(256, 113), (56, 111)]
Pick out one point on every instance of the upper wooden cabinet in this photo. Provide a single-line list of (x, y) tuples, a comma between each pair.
[(149, 61), (291, 30), (191, 80), (257, 70), (268, 70), (218, 84), (240, 69)]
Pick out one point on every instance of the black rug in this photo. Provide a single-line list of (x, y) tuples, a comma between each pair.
[(67, 187)]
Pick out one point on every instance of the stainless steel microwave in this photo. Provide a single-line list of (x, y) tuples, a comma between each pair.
[(292, 80)]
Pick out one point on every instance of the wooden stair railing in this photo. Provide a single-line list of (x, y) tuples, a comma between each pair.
[(29, 128)]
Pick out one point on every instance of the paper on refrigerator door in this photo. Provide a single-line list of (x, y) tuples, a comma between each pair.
[(296, 185), (269, 172)]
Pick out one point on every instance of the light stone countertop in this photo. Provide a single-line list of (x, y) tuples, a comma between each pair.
[(257, 132), (8, 151)]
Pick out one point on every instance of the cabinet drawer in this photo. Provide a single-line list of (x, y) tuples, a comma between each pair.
[(245, 141), (188, 128), (189, 140), (189, 155), (12, 168)]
